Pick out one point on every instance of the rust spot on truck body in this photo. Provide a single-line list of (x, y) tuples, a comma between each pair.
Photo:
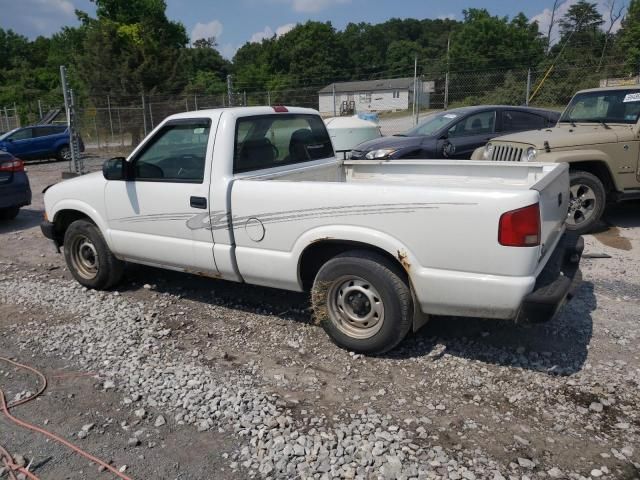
[(402, 257), (204, 274)]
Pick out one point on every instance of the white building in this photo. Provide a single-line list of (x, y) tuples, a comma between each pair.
[(373, 95)]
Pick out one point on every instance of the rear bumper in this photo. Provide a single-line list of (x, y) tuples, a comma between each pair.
[(556, 282)]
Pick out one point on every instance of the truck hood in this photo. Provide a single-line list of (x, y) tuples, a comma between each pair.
[(566, 136)]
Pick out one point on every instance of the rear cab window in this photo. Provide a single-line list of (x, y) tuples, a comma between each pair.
[(267, 141)]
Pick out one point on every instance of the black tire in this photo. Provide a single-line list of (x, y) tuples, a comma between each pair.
[(587, 201), (63, 153), (9, 213), (88, 257), (379, 279)]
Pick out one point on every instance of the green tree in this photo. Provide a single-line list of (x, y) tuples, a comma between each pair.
[(132, 47), (629, 38)]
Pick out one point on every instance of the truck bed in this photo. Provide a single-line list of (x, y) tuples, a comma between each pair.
[(484, 175)]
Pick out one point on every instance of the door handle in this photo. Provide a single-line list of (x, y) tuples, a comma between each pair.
[(198, 202)]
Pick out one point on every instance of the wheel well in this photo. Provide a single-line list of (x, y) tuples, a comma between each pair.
[(320, 252), (63, 219), (597, 168)]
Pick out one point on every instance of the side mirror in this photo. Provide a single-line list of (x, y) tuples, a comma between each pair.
[(113, 169)]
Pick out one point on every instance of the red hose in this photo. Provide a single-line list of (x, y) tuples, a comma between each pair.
[(8, 460)]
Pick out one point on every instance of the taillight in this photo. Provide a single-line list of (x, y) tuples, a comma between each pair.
[(280, 109), (521, 227), (12, 166)]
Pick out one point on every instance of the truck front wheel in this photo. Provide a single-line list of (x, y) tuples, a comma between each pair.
[(88, 257), (586, 201), (363, 302)]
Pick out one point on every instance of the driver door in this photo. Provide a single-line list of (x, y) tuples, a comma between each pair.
[(470, 133), (159, 215)]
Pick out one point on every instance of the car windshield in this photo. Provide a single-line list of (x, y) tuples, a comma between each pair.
[(433, 123), (611, 106), (4, 136)]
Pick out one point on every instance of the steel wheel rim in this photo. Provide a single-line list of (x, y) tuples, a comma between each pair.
[(582, 204), (84, 257), (356, 307)]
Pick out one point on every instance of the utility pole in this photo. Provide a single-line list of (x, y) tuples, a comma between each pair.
[(446, 77), (230, 90), (526, 99)]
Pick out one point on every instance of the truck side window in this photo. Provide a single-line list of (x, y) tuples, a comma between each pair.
[(177, 153), (267, 141)]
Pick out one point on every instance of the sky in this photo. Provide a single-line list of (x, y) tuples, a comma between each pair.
[(234, 22)]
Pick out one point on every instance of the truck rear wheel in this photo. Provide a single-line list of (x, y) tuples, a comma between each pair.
[(363, 302), (88, 257), (586, 201)]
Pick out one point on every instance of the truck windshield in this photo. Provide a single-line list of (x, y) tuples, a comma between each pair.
[(610, 106), (266, 141), (432, 123)]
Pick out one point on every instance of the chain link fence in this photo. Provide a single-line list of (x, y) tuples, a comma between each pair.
[(114, 125), (9, 119)]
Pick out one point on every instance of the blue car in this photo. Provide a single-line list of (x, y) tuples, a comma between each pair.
[(38, 142), (15, 191)]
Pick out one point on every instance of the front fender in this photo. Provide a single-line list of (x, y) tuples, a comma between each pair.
[(82, 207)]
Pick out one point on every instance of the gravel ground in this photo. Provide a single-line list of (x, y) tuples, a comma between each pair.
[(177, 376)]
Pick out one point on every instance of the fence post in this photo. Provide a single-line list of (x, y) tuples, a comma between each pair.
[(40, 108), (151, 116), (186, 103), (268, 98), (415, 83), (419, 82), (195, 100), (144, 116), (110, 117), (244, 97), (229, 90), (528, 92), (333, 87), (120, 129), (6, 118)]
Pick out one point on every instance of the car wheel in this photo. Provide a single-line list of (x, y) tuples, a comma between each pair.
[(587, 199), (363, 302), (9, 213), (88, 257), (64, 153)]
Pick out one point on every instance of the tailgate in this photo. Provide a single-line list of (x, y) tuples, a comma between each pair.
[(554, 202)]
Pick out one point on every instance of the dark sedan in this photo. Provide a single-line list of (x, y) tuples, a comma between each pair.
[(15, 191), (456, 133)]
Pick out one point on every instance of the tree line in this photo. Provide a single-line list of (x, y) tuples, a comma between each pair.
[(131, 48)]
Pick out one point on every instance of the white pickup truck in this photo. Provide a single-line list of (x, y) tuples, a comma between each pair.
[(257, 195)]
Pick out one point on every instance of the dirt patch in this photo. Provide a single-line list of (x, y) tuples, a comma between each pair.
[(612, 238)]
